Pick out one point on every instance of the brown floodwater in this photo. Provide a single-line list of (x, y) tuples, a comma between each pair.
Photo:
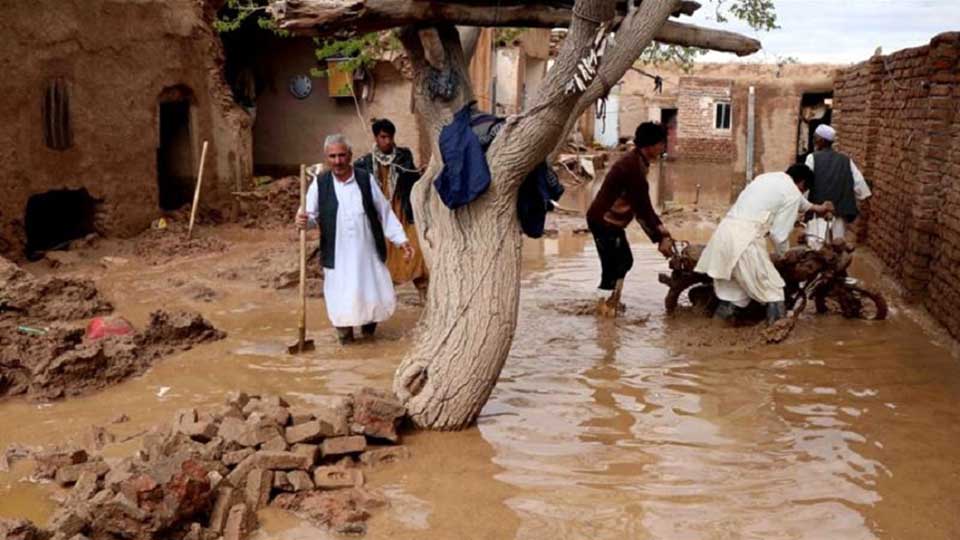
[(597, 428)]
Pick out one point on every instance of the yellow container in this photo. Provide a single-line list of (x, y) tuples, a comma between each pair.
[(339, 82)]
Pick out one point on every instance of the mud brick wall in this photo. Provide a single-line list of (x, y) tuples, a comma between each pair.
[(697, 137), (116, 73), (897, 117)]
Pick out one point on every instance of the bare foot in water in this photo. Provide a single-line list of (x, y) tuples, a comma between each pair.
[(606, 309)]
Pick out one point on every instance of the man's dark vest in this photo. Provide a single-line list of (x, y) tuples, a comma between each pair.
[(327, 216), (833, 181)]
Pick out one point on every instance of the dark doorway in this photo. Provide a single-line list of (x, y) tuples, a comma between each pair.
[(175, 155), (668, 119), (815, 108), (54, 218)]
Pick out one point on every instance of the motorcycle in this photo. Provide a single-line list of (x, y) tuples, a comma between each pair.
[(817, 274)]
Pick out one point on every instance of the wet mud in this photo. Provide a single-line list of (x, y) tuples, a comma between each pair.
[(161, 246), (63, 362), (28, 299), (279, 268), (674, 428)]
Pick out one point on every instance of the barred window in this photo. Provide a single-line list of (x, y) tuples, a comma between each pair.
[(722, 116), (57, 132)]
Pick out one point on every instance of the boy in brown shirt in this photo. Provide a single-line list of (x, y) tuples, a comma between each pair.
[(625, 195)]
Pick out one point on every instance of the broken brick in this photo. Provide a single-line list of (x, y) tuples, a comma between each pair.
[(343, 445), (257, 490), (337, 477), (308, 432)]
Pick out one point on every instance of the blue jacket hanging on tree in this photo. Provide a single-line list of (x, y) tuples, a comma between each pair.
[(466, 175)]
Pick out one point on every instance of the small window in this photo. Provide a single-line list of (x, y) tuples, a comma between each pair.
[(57, 133), (721, 119)]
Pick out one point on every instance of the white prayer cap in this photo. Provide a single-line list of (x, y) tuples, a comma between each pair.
[(826, 132)]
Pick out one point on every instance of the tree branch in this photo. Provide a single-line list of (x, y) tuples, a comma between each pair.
[(433, 48), (691, 35), (343, 17), (541, 126)]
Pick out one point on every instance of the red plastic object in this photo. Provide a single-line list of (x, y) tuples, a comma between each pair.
[(101, 327)]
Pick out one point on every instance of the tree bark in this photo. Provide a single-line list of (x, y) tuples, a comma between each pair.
[(474, 257), (331, 17)]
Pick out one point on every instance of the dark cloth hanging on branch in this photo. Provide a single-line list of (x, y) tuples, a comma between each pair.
[(466, 175), (537, 193)]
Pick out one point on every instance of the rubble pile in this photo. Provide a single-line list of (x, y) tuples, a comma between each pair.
[(61, 361), (580, 166), (271, 205), (206, 475)]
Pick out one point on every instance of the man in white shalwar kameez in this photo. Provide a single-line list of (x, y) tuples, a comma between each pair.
[(355, 220), (736, 256)]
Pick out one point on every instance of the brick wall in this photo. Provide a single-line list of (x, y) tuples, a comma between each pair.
[(697, 136), (897, 116)]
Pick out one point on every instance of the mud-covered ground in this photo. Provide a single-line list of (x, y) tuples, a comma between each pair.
[(46, 352), (646, 426)]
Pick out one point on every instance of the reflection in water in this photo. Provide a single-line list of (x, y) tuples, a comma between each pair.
[(609, 434), (597, 429)]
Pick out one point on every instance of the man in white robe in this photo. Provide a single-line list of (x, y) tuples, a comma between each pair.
[(832, 182), (736, 256), (355, 219)]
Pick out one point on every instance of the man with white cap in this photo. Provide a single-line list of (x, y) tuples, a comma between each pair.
[(836, 179)]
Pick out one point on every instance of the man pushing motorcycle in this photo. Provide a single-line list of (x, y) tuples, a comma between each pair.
[(736, 256)]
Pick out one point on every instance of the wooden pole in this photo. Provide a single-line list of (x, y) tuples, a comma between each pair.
[(196, 192), (302, 329)]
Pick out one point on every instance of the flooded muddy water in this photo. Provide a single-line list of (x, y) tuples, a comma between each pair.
[(597, 429)]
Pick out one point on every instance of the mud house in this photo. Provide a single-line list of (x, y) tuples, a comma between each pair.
[(520, 65), (707, 112), (291, 121), (104, 119), (293, 109), (105, 122)]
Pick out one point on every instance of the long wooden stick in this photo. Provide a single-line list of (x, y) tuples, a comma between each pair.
[(302, 329), (196, 192)]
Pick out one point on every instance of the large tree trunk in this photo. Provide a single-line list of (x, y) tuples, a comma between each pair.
[(474, 257)]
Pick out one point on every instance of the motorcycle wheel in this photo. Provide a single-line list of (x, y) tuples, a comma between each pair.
[(859, 303)]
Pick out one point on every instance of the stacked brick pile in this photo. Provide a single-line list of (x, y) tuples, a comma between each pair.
[(896, 116), (206, 476)]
